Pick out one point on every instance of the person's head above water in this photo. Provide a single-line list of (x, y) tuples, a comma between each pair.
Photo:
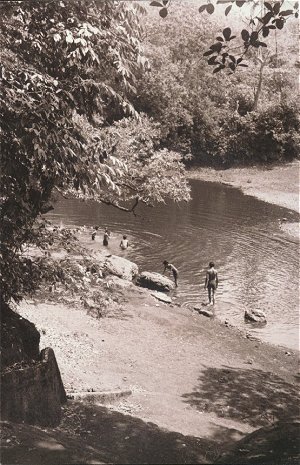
[(124, 237), (165, 262), (211, 265)]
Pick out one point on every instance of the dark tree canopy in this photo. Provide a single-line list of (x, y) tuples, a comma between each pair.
[(68, 71)]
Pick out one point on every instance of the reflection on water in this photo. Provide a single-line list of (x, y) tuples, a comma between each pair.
[(257, 263)]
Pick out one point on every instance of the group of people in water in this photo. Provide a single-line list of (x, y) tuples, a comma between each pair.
[(211, 277), (123, 244)]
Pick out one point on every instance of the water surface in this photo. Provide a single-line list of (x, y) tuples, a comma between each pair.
[(257, 263)]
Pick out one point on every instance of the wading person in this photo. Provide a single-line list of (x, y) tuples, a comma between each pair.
[(94, 233), (168, 266), (106, 237), (124, 243), (211, 282)]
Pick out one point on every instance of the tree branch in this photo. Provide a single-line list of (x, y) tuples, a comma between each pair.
[(120, 207)]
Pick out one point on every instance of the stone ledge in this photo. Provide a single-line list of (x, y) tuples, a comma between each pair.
[(100, 397)]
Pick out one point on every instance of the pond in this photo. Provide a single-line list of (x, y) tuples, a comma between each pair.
[(257, 263)]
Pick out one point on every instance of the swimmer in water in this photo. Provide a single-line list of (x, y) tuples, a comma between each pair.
[(124, 243), (168, 266), (211, 282)]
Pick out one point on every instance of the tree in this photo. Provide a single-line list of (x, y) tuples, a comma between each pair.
[(229, 50), (68, 71)]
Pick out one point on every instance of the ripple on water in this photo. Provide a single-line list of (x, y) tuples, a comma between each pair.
[(257, 263)]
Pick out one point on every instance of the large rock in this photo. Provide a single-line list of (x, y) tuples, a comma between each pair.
[(162, 297), (19, 338), (256, 316), (33, 393), (155, 281), (276, 444), (203, 311), (120, 267)]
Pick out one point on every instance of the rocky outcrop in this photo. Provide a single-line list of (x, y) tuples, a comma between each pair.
[(120, 267), (31, 387), (276, 444), (155, 281), (33, 393), (203, 311), (256, 316), (19, 338), (162, 297)]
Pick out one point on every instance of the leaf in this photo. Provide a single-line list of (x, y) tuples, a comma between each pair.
[(240, 3), (261, 44), (276, 8), (202, 8), (254, 36), (245, 35), (216, 70), (165, 2), (279, 23), (56, 37), (268, 6), (232, 66), (216, 47), (232, 37), (286, 13), (244, 65), (210, 8), (209, 52), (227, 33), (265, 31), (227, 11), (232, 58), (155, 4), (163, 12), (239, 60), (220, 38), (212, 60), (267, 18)]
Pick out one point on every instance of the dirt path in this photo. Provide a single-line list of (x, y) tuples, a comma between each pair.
[(187, 374)]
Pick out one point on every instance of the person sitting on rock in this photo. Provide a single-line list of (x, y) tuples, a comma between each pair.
[(211, 282), (124, 243), (168, 266)]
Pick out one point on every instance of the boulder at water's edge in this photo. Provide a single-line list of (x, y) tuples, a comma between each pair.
[(155, 281), (256, 316), (121, 267)]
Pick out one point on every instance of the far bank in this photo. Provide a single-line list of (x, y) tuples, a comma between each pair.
[(278, 184)]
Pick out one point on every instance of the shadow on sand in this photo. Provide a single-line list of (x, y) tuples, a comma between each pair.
[(248, 395), (98, 435)]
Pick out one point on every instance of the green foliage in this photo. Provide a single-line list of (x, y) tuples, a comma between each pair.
[(265, 17), (201, 113), (68, 71), (268, 136), (152, 174)]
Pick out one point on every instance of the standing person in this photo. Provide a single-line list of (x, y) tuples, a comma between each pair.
[(211, 282), (168, 266), (124, 243), (94, 233), (106, 237)]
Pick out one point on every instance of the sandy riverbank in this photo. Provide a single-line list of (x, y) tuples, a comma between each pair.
[(189, 376), (278, 185), (197, 384)]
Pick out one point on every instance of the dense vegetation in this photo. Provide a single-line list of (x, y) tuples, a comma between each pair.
[(101, 101), (247, 116)]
